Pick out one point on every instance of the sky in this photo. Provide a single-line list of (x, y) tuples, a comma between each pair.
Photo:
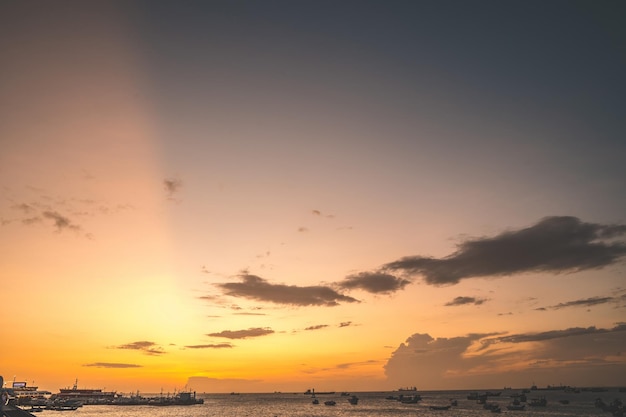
[(260, 196)]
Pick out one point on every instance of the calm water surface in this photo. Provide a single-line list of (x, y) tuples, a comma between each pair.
[(370, 404)]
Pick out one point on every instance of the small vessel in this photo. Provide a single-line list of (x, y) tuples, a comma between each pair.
[(411, 399), (330, 402), (516, 407), (354, 400), (538, 402)]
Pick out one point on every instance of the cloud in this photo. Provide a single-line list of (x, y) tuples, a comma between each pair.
[(172, 186), (459, 301), (243, 334), (60, 222), (587, 302), (555, 244), (211, 346), (317, 327), (345, 324), (557, 334), (374, 282), (302, 229), (319, 213), (112, 365), (590, 356), (24, 207), (256, 288), (149, 348)]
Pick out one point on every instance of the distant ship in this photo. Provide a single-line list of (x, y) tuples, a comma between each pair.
[(86, 396), (25, 394)]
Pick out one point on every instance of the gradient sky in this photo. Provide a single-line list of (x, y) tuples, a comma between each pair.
[(341, 195)]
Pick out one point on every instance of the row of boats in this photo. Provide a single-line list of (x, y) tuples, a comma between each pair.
[(72, 398)]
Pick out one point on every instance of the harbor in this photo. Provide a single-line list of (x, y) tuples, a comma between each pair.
[(539, 402)]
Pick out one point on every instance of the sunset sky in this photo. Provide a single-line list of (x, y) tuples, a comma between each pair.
[(260, 196)]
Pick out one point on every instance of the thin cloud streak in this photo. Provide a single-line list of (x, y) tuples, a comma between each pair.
[(211, 346), (459, 301), (112, 365), (146, 347), (556, 244), (243, 334), (586, 302)]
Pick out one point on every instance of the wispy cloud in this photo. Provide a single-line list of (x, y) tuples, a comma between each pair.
[(320, 214), (112, 365), (459, 301), (557, 334), (148, 348), (243, 334), (61, 222), (317, 327), (345, 324), (373, 282), (586, 302), (256, 288), (172, 186), (211, 346), (555, 244)]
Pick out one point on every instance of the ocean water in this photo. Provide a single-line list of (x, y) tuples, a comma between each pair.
[(371, 404)]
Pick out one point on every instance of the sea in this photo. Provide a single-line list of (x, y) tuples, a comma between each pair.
[(370, 404)]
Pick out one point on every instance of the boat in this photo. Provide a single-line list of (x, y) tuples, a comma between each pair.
[(86, 396), (330, 402), (411, 399), (182, 398), (538, 402), (315, 401), (313, 392), (516, 407), (354, 400), (28, 395), (60, 404)]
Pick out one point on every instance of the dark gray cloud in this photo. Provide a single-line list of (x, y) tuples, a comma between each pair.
[(211, 346), (374, 282), (555, 244), (112, 365), (149, 348), (317, 327), (243, 334), (60, 222), (256, 288), (345, 324), (459, 301)]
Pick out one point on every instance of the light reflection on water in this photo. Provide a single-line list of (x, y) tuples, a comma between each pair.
[(370, 405)]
